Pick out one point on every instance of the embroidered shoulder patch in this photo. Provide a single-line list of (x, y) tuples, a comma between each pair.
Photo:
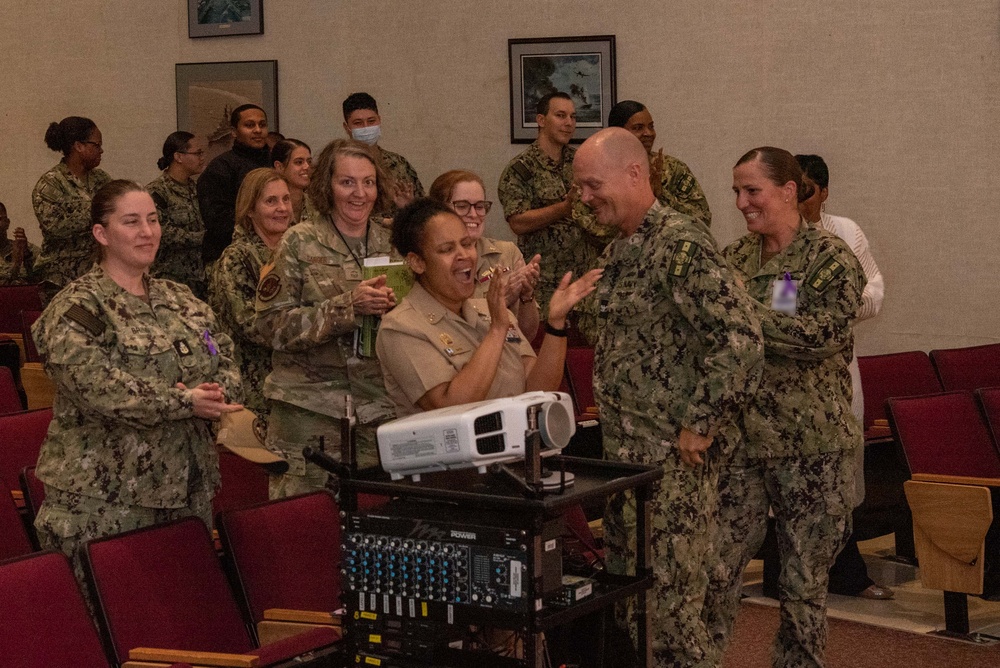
[(85, 319), (822, 278), (268, 287), (159, 201), (684, 253)]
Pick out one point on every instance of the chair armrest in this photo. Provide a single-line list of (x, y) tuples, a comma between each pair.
[(169, 656), (956, 479), (302, 616), (37, 386)]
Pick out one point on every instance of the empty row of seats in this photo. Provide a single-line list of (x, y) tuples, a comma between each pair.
[(162, 595)]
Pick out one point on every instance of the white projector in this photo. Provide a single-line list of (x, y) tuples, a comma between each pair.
[(477, 434)]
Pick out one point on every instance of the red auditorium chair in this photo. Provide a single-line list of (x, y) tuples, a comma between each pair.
[(33, 491), (160, 594), (10, 401), (580, 372), (21, 437), (284, 559), (14, 539), (13, 300), (28, 318), (989, 400), (953, 463), (243, 483), (894, 375), (968, 368)]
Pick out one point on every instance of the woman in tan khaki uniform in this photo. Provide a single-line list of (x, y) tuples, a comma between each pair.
[(441, 347)]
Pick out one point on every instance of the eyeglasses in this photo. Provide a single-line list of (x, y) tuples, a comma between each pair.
[(463, 207), (197, 153), (99, 145)]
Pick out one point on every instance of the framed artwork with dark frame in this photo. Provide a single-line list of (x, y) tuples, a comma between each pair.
[(207, 93), (220, 18), (582, 67)]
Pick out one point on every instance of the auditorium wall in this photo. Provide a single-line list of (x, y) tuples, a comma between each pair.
[(900, 97)]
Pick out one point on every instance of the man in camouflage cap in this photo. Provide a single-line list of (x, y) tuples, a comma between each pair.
[(679, 353), (542, 206), (363, 123)]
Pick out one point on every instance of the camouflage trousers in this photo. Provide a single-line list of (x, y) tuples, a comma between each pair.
[(291, 429), (812, 498), (682, 523), (65, 520)]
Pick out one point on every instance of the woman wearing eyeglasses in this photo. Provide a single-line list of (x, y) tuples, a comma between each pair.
[(463, 192), (61, 200), (176, 198)]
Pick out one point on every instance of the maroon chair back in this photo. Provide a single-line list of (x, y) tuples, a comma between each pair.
[(580, 372), (28, 318), (21, 438), (968, 368), (944, 434), (243, 483), (13, 300), (285, 553), (10, 401), (989, 401), (894, 375), (33, 490), (45, 620), (163, 587), (14, 540)]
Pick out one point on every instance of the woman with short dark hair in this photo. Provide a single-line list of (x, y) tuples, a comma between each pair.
[(61, 200)]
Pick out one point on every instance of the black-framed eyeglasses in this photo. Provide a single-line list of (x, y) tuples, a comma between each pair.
[(98, 144), (463, 207), (197, 153)]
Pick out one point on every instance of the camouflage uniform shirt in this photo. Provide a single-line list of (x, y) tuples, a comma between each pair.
[(232, 292), (680, 346), (121, 431), (676, 187), (305, 312), (804, 403), (531, 181), (25, 274), (179, 257), (401, 171), (62, 206)]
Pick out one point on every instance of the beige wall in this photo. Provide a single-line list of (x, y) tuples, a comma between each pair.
[(900, 97)]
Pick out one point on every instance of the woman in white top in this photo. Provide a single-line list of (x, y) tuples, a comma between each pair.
[(849, 576)]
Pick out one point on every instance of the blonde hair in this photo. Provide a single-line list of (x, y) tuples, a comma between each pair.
[(250, 191)]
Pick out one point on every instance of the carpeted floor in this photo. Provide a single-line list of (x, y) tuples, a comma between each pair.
[(855, 645)]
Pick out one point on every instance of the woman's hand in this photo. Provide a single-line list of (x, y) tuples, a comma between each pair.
[(403, 193), (372, 297), (209, 401), (521, 282), (499, 315), (567, 295), (19, 248)]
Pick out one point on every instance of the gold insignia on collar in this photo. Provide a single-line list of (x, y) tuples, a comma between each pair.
[(446, 340)]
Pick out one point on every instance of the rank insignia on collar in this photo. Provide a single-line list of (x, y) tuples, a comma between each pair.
[(446, 340), (824, 276), (182, 348), (512, 336)]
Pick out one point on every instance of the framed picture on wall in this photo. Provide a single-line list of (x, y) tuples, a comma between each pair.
[(581, 67), (219, 18), (207, 93)]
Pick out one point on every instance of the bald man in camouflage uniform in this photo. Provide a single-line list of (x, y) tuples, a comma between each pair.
[(125, 449), (542, 208), (179, 257), (62, 206), (679, 353), (305, 312), (800, 440), (232, 294)]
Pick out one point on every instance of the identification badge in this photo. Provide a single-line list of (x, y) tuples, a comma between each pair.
[(784, 295)]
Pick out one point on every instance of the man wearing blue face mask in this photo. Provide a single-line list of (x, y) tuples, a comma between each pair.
[(363, 123)]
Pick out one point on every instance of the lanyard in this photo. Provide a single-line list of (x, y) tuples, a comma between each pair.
[(368, 227)]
